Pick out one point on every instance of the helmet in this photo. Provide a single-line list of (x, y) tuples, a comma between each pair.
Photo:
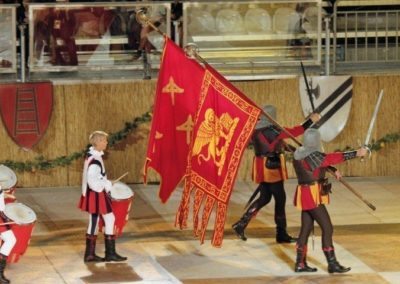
[(311, 143), (264, 121)]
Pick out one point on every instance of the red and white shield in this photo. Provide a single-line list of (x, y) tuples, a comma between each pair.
[(26, 110)]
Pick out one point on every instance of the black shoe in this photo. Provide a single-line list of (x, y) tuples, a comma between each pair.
[(333, 264), (284, 237), (239, 230), (111, 254), (115, 257), (93, 258), (303, 267), (336, 267)]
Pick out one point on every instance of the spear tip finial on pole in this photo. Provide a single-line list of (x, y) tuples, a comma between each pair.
[(141, 17), (144, 20), (191, 50)]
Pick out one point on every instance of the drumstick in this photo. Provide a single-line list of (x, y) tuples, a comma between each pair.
[(10, 196), (8, 223), (121, 177)]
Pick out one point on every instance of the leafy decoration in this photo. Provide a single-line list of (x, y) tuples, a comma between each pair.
[(41, 163)]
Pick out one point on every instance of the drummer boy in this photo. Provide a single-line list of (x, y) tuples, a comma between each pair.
[(96, 201), (8, 238)]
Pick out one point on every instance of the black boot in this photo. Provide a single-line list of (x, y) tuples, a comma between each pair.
[(111, 255), (301, 263), (283, 237), (281, 234), (3, 263), (333, 264), (90, 255), (241, 225)]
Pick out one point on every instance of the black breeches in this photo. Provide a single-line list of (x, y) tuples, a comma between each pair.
[(321, 216), (267, 190)]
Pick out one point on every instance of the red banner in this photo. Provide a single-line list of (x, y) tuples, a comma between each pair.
[(224, 123), (26, 110), (178, 88)]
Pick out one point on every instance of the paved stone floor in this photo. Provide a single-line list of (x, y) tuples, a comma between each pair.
[(366, 240)]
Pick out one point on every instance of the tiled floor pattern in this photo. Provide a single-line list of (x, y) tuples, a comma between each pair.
[(366, 240)]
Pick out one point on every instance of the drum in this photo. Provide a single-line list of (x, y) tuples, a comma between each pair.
[(24, 218), (8, 179), (121, 199)]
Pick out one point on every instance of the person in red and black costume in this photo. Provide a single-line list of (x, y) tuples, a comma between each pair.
[(96, 201), (8, 238), (312, 194), (269, 171)]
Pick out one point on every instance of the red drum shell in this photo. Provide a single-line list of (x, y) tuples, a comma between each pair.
[(25, 219), (121, 210), (23, 235)]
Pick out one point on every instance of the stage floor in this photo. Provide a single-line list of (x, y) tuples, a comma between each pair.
[(366, 240)]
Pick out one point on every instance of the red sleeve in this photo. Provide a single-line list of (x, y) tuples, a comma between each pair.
[(294, 131), (332, 159)]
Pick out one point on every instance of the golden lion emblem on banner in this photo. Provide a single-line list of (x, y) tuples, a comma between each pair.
[(215, 133)]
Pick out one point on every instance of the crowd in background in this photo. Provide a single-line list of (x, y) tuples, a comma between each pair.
[(55, 30)]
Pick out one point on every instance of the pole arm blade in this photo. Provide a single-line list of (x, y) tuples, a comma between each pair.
[(307, 86)]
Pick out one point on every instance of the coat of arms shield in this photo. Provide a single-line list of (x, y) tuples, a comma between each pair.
[(331, 97), (26, 110)]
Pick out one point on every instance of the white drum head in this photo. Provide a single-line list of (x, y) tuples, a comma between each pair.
[(7, 177), (121, 191), (19, 213)]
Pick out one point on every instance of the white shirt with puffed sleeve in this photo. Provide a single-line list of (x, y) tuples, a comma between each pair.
[(96, 181)]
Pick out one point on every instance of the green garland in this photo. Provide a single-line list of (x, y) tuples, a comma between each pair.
[(40, 163), (377, 145), (387, 139)]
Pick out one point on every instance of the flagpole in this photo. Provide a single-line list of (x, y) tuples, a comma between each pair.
[(142, 18), (192, 51)]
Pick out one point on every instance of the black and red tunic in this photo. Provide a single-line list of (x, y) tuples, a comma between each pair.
[(95, 199), (310, 173), (269, 162)]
